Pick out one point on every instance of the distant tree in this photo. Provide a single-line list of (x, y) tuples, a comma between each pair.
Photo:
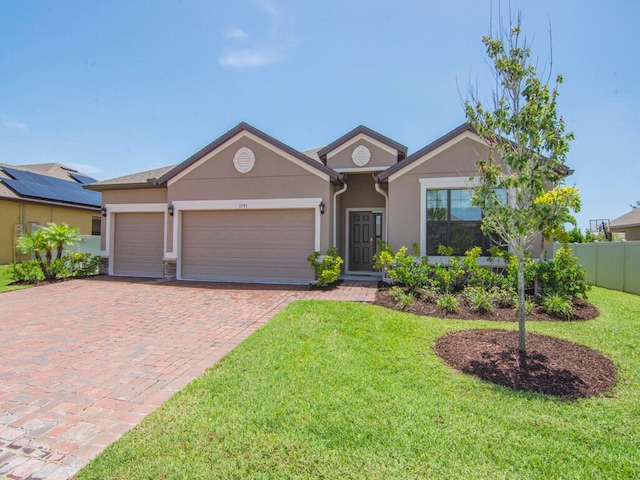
[(527, 148), (575, 236), (636, 205)]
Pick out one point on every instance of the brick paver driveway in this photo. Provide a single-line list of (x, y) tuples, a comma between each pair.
[(84, 361)]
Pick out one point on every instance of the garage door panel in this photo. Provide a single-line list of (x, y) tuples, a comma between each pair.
[(138, 246), (255, 246)]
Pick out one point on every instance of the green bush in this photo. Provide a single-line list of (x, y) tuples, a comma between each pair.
[(529, 305), (479, 299), (444, 278), (504, 297), (429, 294), (328, 269), (28, 271), (71, 265), (557, 305), (404, 300), (448, 303), (563, 276), (402, 268)]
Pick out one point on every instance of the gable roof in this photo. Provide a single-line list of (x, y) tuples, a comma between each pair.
[(629, 219), (147, 179), (561, 170), (402, 150), (333, 175), (465, 127), (50, 183)]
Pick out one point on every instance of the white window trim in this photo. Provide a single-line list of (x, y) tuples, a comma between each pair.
[(347, 248), (130, 208), (259, 141), (439, 183), (181, 206)]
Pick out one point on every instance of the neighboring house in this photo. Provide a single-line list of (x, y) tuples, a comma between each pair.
[(249, 208), (628, 224), (38, 194)]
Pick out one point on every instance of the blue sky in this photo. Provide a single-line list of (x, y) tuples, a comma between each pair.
[(121, 86)]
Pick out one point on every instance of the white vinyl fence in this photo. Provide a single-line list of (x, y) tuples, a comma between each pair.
[(89, 244), (613, 265)]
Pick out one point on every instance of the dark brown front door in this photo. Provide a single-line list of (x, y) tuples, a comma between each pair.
[(361, 241)]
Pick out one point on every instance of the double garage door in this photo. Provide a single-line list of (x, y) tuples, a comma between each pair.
[(247, 246), (229, 246)]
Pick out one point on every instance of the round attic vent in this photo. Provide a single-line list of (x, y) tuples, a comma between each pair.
[(361, 155), (244, 160)]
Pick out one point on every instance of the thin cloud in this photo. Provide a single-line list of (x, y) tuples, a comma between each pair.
[(271, 50), (14, 124), (235, 33)]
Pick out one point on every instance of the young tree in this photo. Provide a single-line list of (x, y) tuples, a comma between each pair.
[(45, 241), (527, 148)]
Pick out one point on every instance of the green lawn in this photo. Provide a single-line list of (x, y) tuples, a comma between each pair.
[(339, 390), (5, 280)]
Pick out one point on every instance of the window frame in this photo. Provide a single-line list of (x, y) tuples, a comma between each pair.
[(440, 183)]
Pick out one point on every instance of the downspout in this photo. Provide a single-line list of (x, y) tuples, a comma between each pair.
[(335, 209), (386, 207)]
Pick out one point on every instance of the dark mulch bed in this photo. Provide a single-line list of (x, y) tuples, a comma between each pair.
[(583, 310), (555, 367)]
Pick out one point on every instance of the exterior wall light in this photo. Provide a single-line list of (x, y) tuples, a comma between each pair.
[(321, 208), (103, 211), (170, 209)]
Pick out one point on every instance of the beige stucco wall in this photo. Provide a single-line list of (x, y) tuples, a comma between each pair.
[(273, 176), (630, 233), (360, 193), (459, 160), (21, 213), (379, 157), (138, 195)]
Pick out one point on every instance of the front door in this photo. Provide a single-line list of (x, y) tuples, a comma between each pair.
[(362, 238)]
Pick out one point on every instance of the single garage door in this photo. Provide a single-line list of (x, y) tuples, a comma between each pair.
[(269, 246), (138, 246)]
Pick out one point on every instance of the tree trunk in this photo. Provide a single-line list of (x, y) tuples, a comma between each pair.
[(522, 348)]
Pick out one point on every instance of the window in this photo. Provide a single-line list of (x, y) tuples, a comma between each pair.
[(95, 225), (454, 222)]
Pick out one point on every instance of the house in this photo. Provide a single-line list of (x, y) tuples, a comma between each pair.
[(628, 224), (249, 208), (39, 194)]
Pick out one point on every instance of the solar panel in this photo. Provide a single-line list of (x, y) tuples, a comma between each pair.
[(35, 185), (82, 178)]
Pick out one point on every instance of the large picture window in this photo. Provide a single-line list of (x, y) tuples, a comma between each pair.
[(454, 222)]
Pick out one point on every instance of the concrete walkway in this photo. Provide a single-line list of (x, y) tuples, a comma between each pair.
[(82, 362)]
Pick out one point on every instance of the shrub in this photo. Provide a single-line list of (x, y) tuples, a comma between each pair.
[(479, 300), (429, 294), (563, 276), (529, 305), (505, 297), (28, 271), (530, 271), (76, 265), (328, 269), (72, 265), (558, 305), (448, 303), (445, 251), (446, 278), (402, 268), (404, 300)]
